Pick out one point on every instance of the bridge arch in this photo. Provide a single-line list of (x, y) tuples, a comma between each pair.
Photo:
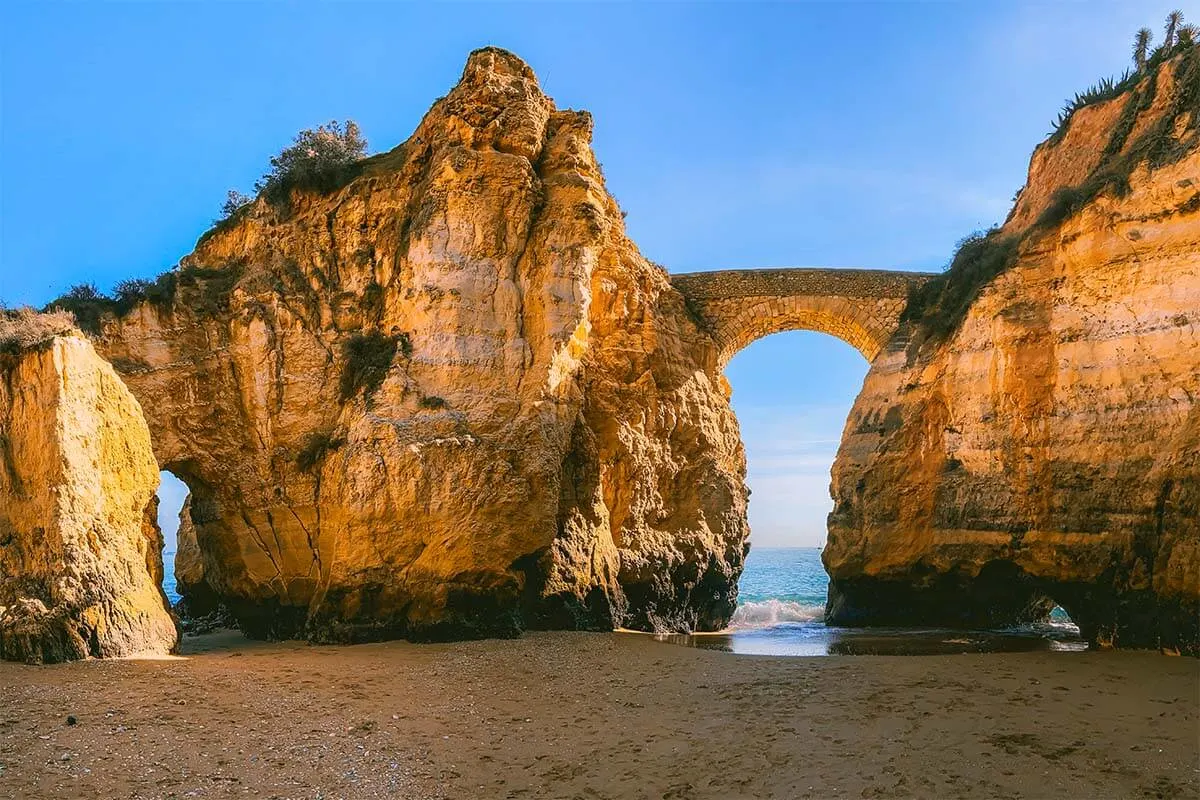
[(861, 307)]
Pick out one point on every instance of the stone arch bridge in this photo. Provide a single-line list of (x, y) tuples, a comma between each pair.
[(859, 306)]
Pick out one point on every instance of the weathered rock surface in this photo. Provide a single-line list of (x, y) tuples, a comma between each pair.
[(80, 551), (1049, 450), (447, 399), (198, 598)]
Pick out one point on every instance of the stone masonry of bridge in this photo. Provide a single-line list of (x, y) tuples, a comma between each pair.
[(859, 306)]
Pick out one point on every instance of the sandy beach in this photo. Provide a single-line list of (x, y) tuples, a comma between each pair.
[(564, 715)]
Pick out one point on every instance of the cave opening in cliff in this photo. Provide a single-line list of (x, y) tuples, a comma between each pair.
[(792, 393), (172, 494)]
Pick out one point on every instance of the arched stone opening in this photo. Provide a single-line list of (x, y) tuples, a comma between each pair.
[(860, 307), (172, 497), (791, 426), (997, 595), (839, 317), (185, 509)]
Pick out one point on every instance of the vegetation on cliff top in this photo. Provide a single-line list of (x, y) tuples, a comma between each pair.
[(205, 289), (939, 305), (1177, 38), (1164, 142), (937, 308), (23, 329), (321, 159), (317, 159)]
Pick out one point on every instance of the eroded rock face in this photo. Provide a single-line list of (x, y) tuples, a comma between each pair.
[(80, 552), (448, 399), (1049, 451), (198, 598)]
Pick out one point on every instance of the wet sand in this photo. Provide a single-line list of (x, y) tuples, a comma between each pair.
[(809, 639), (563, 715)]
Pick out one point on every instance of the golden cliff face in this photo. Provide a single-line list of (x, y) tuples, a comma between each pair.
[(1049, 449), (80, 553), (447, 399)]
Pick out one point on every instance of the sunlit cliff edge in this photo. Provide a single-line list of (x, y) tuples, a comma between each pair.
[(1047, 448), (447, 397)]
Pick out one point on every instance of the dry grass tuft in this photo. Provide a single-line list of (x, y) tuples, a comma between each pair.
[(24, 329)]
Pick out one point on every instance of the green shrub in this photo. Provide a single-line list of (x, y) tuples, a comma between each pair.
[(235, 201), (207, 290), (87, 303), (432, 402), (938, 306), (1069, 200), (315, 449), (1140, 100), (127, 294), (162, 292), (321, 160), (368, 357), (1106, 89)]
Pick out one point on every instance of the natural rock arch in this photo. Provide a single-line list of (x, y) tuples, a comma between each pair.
[(416, 404), (860, 307)]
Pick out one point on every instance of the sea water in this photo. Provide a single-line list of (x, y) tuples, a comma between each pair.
[(169, 576), (781, 611)]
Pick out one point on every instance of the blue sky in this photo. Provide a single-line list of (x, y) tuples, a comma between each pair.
[(734, 135)]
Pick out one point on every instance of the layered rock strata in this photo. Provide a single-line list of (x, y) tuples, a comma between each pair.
[(80, 551), (449, 398), (1048, 451)]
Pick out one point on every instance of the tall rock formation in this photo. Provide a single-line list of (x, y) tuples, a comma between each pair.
[(1048, 450), (199, 599), (447, 398), (443, 395), (80, 551)]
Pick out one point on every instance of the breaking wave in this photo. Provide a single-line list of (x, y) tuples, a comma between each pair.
[(769, 613)]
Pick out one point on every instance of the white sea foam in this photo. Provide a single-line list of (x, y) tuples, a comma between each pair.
[(769, 613)]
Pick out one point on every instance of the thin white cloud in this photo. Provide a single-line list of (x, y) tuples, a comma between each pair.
[(789, 451)]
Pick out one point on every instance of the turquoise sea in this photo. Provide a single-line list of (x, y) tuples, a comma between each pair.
[(169, 576), (781, 609)]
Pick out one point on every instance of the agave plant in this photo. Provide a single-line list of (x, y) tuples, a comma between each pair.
[(1141, 45), (1104, 89), (1174, 20), (1187, 35)]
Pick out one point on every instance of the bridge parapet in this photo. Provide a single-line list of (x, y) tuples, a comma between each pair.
[(859, 306)]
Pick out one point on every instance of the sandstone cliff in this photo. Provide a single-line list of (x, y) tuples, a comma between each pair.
[(198, 598), (1047, 448), (80, 552), (447, 398)]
